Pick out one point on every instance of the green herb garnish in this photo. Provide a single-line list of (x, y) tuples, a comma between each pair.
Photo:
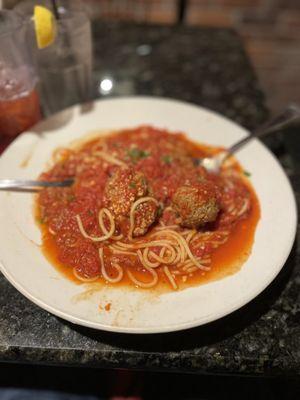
[(246, 173), (132, 185), (137, 154), (160, 211), (200, 178), (71, 197), (90, 212), (167, 159), (41, 220)]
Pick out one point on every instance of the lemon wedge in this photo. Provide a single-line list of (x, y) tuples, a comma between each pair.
[(45, 26)]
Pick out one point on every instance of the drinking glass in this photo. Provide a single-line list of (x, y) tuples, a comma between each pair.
[(64, 67), (19, 101)]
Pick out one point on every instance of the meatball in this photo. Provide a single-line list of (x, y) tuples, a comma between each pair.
[(123, 188), (196, 205), (144, 217)]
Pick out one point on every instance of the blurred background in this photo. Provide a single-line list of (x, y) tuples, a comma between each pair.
[(270, 30)]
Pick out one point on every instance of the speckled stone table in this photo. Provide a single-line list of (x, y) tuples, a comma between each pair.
[(208, 67)]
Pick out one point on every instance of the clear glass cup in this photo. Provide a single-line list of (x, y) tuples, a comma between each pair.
[(65, 67), (19, 101)]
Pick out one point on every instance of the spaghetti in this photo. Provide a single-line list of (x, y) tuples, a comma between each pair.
[(142, 211)]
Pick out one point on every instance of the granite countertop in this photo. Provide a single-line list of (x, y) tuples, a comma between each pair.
[(208, 67)]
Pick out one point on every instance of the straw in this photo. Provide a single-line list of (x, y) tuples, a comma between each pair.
[(55, 9)]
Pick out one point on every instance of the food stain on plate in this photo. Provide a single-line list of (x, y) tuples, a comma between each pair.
[(29, 155), (118, 306), (26, 160)]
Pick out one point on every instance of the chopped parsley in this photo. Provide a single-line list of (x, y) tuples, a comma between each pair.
[(246, 173), (137, 154), (159, 211), (90, 212), (197, 162), (132, 185), (41, 220), (200, 178), (167, 159), (71, 197)]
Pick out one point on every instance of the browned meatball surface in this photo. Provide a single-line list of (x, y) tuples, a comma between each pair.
[(145, 216), (196, 205), (123, 188)]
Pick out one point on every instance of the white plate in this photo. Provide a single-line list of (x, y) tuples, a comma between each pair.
[(138, 311)]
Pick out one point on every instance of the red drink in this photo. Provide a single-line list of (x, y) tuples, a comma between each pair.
[(19, 114), (19, 102)]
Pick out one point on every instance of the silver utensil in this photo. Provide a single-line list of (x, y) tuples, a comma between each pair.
[(283, 120), (19, 185)]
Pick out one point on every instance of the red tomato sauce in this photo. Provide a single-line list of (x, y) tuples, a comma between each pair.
[(165, 161)]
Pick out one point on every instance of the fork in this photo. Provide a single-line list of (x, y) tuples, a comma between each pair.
[(31, 185)]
